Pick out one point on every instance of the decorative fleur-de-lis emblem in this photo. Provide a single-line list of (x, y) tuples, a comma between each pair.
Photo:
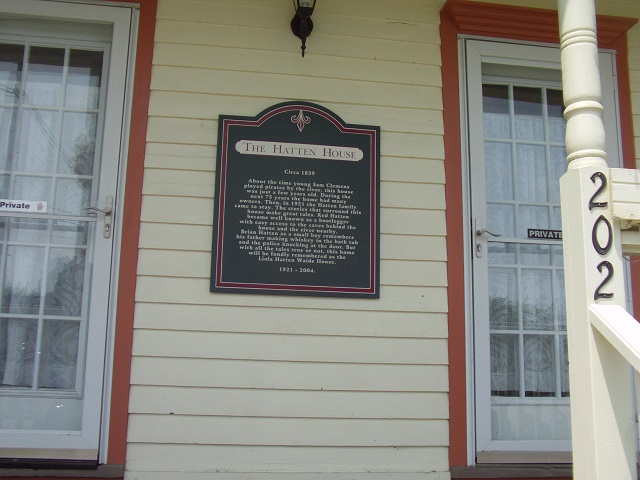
[(300, 120)]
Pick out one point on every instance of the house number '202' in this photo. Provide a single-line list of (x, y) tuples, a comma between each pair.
[(601, 222)]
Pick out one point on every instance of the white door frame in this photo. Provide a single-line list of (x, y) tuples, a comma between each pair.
[(87, 444), (473, 53)]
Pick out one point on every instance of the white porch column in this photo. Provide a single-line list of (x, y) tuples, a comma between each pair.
[(601, 390)]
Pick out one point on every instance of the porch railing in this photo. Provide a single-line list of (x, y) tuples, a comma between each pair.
[(600, 218)]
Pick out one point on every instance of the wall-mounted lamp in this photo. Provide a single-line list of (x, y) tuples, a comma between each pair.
[(301, 25)]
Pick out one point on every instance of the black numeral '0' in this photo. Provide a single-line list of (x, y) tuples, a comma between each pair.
[(594, 236)]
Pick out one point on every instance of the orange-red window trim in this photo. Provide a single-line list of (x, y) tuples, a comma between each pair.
[(120, 381)]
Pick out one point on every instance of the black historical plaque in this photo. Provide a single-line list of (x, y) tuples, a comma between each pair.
[(297, 204)]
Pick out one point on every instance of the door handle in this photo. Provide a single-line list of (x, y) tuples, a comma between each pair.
[(480, 231), (107, 212)]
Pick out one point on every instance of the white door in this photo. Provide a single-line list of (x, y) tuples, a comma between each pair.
[(516, 157), (59, 161)]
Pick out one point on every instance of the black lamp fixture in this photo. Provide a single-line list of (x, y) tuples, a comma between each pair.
[(301, 24)]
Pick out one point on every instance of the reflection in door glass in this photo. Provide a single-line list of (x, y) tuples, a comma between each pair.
[(50, 114), (524, 159)]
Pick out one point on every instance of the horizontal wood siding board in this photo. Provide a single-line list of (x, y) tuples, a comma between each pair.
[(162, 236), (409, 11), (227, 58), (222, 474), (282, 320), (185, 105), (287, 403), (222, 82), (190, 372), (345, 25), (189, 291), (301, 348), (207, 430), (165, 458)]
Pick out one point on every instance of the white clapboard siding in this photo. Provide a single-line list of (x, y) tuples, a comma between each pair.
[(237, 386), (292, 348), (188, 373), (235, 83), (270, 16), (361, 474), (292, 432), (186, 291), (287, 403), (206, 56), (251, 319), (181, 157), (161, 458)]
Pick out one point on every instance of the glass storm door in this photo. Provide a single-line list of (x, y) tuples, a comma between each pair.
[(55, 244), (516, 155), (518, 242)]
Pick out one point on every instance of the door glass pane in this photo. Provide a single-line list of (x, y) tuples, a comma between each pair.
[(78, 145), (16, 363), (498, 171), (503, 299), (72, 196), (555, 114), (527, 106), (38, 143), (501, 219), (44, 76), (539, 366), (59, 354), (527, 320), (8, 118), (505, 368), (531, 173), (537, 299), (27, 187), (22, 279), (47, 154), (11, 58), (65, 282), (83, 79), (495, 109)]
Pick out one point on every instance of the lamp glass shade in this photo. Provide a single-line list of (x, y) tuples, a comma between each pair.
[(305, 7)]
